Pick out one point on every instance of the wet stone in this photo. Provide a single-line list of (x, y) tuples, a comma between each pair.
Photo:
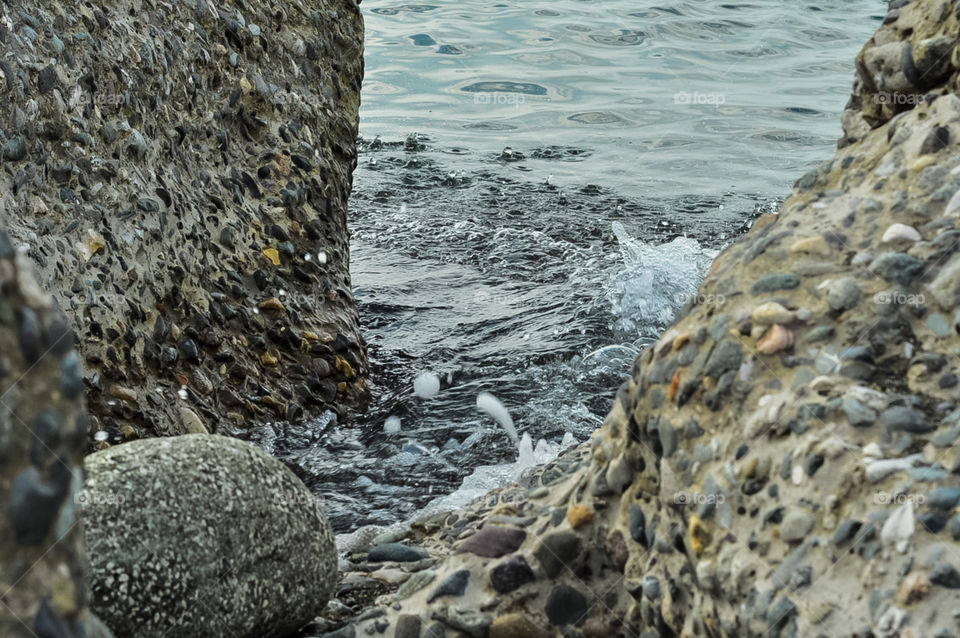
[(565, 606), (857, 413), (773, 282), (651, 587), (511, 574), (726, 356), (954, 525), (34, 506), (397, 553), (638, 525), (15, 149), (453, 585), (843, 294), (493, 541), (846, 531), (932, 522)]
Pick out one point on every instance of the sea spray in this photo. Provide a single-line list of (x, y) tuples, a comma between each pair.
[(426, 385), (491, 406)]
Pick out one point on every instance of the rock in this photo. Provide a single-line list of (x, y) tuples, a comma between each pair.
[(899, 268), (904, 419), (558, 551), (857, 413), (776, 339), (769, 313), (944, 498), (397, 553), (945, 575), (843, 294), (899, 527), (493, 541), (408, 626), (579, 515), (511, 574), (900, 232), (565, 606), (453, 585), (796, 525), (774, 282), (140, 495), (43, 430)]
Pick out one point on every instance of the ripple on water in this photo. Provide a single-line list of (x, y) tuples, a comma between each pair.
[(526, 88)]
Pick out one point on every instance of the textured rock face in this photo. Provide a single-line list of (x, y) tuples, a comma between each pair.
[(784, 461), (205, 536), (42, 433), (180, 174)]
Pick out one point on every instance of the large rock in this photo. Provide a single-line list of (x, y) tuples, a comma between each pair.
[(43, 429), (204, 536), (179, 173), (799, 475)]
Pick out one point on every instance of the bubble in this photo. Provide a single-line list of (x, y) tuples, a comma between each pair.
[(426, 385), (391, 425)]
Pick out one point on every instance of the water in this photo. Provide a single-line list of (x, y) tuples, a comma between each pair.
[(541, 186)]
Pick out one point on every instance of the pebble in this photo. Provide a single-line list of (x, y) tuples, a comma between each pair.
[(638, 525), (843, 294), (397, 553), (900, 232), (945, 575), (417, 581), (15, 149), (558, 550), (453, 585), (776, 339), (651, 587), (857, 413), (408, 626), (516, 625), (943, 498), (579, 515), (565, 606), (774, 282), (899, 268), (511, 574), (493, 541), (899, 527), (770, 313), (796, 525), (904, 419)]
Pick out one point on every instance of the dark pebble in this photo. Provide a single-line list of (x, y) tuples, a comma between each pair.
[(71, 377), (453, 585), (15, 149), (190, 352), (945, 575), (493, 542), (28, 333), (727, 355), (943, 498), (557, 550), (932, 522), (408, 626), (397, 553), (511, 574), (565, 606), (34, 506), (638, 525), (898, 268), (846, 531)]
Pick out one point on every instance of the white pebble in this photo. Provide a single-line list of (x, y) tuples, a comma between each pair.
[(391, 425), (101, 436), (322, 258), (897, 232), (426, 385), (898, 529)]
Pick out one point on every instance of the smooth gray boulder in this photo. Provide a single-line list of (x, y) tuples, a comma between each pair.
[(204, 536)]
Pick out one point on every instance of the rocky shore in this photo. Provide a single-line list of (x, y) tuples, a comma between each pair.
[(784, 461), (179, 175)]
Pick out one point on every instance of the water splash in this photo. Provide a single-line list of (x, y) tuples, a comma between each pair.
[(491, 406)]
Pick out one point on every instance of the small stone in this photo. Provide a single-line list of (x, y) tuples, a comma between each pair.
[(943, 498), (617, 550), (651, 587), (619, 474), (558, 550), (945, 575), (192, 424), (453, 585), (774, 282), (726, 356), (900, 232), (493, 541), (408, 626), (812, 245), (857, 413), (122, 393), (939, 325), (397, 553), (15, 149), (932, 522), (565, 606), (843, 294), (769, 313), (904, 419), (579, 515), (776, 339), (511, 574), (417, 581), (899, 268), (638, 525), (846, 531), (796, 525)]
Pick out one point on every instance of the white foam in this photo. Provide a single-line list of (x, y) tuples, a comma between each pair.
[(391, 425)]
